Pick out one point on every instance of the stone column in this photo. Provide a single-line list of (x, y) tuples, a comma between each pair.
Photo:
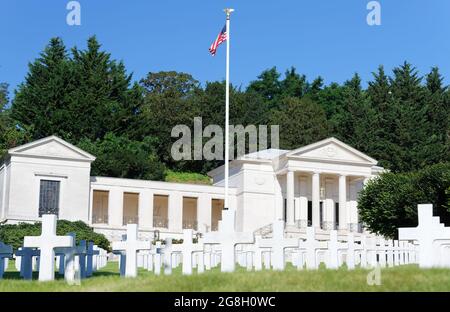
[(175, 212), (278, 199), (329, 213), (145, 209), (343, 222), (115, 207), (316, 200), (290, 209), (303, 216)]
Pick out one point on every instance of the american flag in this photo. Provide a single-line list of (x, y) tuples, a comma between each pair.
[(220, 38)]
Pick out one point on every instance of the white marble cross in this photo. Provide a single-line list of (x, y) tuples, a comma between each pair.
[(187, 250), (47, 242), (426, 233), (157, 258), (167, 256), (278, 244), (390, 253), (312, 245), (363, 252), (371, 247), (80, 261), (382, 252), (396, 249), (228, 238), (334, 246), (131, 246), (257, 253), (70, 255), (96, 258), (351, 251), (200, 258), (5, 253)]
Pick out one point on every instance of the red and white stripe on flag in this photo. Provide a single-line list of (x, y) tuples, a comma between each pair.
[(220, 38)]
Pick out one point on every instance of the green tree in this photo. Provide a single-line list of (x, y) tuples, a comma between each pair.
[(301, 121), (82, 95), (353, 119), (41, 102), (390, 201), (267, 85), (103, 95), (409, 132), (118, 156), (168, 102), (437, 145), (3, 95), (10, 135)]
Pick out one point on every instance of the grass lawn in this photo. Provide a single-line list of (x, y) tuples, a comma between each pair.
[(405, 278)]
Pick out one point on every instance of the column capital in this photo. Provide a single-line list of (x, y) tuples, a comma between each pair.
[(342, 175)]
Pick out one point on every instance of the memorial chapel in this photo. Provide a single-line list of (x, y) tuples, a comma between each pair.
[(315, 185)]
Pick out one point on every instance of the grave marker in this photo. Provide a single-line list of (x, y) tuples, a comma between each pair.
[(5, 254), (188, 248), (228, 238), (131, 246), (278, 244), (426, 233), (47, 242)]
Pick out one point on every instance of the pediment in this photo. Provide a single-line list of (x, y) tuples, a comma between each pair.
[(333, 150), (52, 147)]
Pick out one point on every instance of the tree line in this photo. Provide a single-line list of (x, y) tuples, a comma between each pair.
[(89, 99)]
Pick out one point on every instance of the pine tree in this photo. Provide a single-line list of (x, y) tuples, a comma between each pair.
[(84, 95), (436, 147), (386, 114), (267, 85), (41, 101), (301, 122), (410, 132), (293, 85)]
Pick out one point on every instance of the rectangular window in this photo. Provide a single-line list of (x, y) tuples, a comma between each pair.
[(130, 208), (190, 213), (216, 213), (100, 204), (161, 211), (49, 197)]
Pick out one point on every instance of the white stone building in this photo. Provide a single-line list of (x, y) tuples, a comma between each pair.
[(314, 185)]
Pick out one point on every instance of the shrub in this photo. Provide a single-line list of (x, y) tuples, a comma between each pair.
[(13, 234), (390, 201)]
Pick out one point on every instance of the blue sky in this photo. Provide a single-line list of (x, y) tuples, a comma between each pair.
[(319, 37)]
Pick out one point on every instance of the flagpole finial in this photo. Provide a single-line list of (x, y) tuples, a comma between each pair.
[(228, 11)]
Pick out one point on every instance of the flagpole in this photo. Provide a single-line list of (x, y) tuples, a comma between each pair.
[(228, 12)]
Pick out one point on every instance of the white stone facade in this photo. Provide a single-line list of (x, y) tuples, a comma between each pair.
[(317, 185)]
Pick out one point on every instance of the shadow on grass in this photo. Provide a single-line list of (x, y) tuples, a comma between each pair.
[(105, 273)]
